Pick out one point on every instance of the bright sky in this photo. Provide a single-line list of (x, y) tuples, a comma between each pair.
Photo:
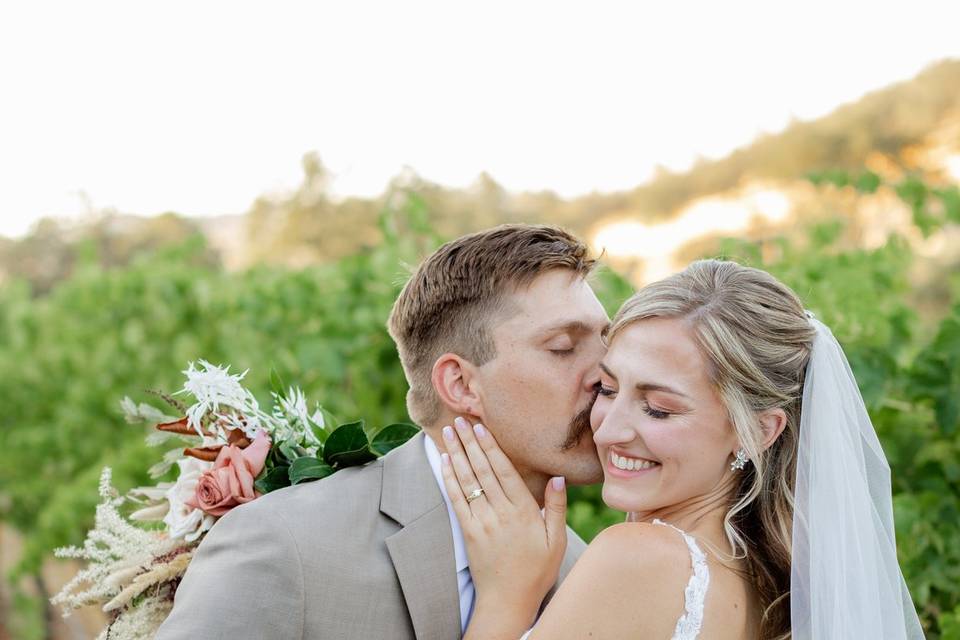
[(199, 107)]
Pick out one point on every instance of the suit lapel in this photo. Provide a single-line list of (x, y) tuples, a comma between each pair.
[(422, 551)]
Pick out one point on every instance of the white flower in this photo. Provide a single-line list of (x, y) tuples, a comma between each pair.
[(182, 520), (217, 392), (212, 387), (135, 414), (114, 544), (293, 421)]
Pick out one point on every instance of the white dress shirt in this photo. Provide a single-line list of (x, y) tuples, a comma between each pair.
[(464, 580)]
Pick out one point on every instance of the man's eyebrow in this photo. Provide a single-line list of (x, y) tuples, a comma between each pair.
[(646, 386), (571, 326)]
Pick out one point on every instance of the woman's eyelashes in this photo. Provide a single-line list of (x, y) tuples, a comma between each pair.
[(562, 352), (653, 412)]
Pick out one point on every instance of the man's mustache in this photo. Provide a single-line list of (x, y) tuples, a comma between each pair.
[(579, 426)]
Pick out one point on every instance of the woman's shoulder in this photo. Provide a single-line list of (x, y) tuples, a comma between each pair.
[(642, 545), (629, 581)]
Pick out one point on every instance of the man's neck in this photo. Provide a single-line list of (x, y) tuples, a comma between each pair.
[(537, 484), (536, 481)]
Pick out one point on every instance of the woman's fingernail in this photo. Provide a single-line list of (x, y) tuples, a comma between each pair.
[(559, 482), (445, 459), (448, 434), (479, 430), (460, 423)]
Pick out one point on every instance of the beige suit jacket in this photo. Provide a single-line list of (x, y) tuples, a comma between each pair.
[(366, 553)]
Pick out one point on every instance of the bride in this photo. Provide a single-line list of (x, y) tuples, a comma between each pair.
[(732, 432)]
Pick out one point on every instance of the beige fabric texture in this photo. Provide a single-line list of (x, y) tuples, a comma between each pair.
[(366, 553)]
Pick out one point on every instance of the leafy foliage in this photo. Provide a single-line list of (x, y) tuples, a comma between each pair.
[(907, 372), (68, 357)]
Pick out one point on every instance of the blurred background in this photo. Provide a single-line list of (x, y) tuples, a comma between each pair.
[(251, 185)]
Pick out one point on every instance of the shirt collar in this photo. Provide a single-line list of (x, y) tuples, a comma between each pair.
[(459, 547)]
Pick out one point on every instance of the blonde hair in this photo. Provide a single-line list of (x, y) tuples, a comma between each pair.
[(756, 337), (449, 303)]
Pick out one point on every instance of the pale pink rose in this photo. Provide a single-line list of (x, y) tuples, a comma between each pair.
[(230, 482)]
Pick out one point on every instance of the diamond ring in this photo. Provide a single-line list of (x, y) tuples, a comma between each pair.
[(474, 495)]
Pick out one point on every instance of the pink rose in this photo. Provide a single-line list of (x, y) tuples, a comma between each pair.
[(230, 482)]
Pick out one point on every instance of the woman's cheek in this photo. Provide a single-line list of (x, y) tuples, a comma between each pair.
[(598, 412), (661, 442)]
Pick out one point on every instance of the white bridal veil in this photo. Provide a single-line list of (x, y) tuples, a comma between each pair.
[(845, 579)]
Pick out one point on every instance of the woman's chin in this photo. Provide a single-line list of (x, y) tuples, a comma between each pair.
[(622, 499)]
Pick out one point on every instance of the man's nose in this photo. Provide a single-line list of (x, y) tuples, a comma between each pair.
[(591, 381), (592, 378)]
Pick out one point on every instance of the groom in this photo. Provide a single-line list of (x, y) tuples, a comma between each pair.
[(499, 327)]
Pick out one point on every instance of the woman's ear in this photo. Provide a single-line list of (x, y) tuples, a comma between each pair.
[(773, 422), (454, 381)]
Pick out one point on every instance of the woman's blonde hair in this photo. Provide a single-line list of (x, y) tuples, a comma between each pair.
[(756, 338)]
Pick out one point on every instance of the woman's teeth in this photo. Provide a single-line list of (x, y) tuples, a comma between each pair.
[(631, 464)]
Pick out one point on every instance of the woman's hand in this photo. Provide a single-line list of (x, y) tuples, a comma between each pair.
[(514, 550)]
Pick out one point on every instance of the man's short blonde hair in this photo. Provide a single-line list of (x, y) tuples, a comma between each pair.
[(450, 301)]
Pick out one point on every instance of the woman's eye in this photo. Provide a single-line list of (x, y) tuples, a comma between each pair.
[(562, 352), (655, 413), (605, 391)]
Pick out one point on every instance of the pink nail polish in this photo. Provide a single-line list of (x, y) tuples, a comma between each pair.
[(559, 482), (448, 434), (479, 430)]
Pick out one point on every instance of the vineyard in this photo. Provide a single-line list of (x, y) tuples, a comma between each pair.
[(69, 356)]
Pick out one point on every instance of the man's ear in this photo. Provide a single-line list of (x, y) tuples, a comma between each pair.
[(454, 381), (773, 422)]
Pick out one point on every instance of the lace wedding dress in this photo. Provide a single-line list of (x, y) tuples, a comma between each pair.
[(688, 626)]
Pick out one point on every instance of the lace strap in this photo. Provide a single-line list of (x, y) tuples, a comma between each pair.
[(688, 626)]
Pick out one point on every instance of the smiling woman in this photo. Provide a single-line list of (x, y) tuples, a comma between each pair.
[(710, 362), (734, 533), (678, 422)]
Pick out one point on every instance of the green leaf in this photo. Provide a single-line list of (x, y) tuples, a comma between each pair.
[(950, 625), (276, 478), (308, 468), (868, 182), (392, 436), (348, 446), (950, 197), (837, 177), (276, 384), (322, 432), (290, 450)]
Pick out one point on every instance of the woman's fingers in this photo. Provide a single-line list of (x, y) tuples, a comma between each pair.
[(478, 461), (465, 476), (514, 488), (455, 493), (555, 514)]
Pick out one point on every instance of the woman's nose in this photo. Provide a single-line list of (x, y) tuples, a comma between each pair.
[(613, 430)]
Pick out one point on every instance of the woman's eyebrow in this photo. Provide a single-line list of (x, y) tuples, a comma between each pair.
[(647, 386), (607, 371)]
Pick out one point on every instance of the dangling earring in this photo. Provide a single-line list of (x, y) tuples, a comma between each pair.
[(741, 460)]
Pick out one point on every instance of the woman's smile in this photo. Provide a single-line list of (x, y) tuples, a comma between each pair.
[(621, 465)]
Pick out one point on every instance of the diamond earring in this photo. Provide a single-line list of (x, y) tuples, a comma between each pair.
[(740, 462)]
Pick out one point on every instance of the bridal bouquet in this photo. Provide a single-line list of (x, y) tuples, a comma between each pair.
[(228, 452)]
